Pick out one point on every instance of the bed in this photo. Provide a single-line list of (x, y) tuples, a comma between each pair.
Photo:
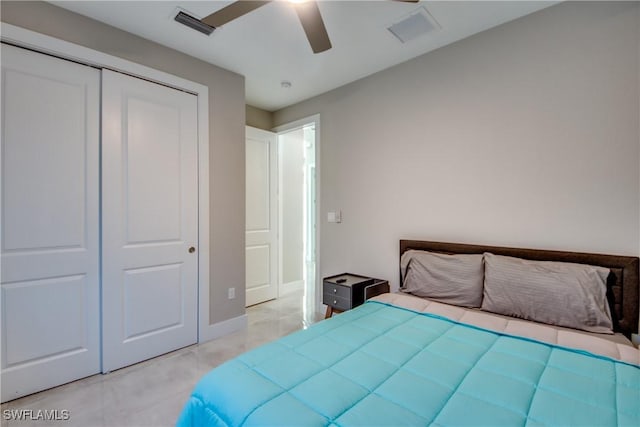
[(404, 360)]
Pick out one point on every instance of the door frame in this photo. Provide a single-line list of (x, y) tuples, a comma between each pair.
[(297, 124), (32, 40)]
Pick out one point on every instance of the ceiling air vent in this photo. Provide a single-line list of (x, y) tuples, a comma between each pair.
[(414, 25), (193, 23)]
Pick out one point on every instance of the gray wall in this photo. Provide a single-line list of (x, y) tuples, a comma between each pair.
[(259, 118), (226, 122), (524, 135), (291, 150)]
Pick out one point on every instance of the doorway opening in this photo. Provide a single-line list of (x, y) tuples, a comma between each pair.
[(282, 202), (297, 190), (297, 199)]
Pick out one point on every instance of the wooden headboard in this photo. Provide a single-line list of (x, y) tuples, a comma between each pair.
[(622, 286)]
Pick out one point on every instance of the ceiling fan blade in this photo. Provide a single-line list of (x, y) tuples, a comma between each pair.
[(313, 25), (231, 12)]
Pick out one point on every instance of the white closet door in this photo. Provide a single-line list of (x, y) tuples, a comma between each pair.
[(149, 219), (50, 196)]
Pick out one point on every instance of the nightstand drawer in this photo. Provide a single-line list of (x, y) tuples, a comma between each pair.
[(336, 302), (337, 290)]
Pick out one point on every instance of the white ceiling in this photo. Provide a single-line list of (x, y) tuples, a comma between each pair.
[(268, 45)]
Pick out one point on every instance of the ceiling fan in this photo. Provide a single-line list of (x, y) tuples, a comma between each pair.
[(308, 13)]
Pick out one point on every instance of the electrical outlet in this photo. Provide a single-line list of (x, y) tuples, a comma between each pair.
[(232, 293)]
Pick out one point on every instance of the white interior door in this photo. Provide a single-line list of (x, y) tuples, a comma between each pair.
[(150, 219), (50, 196), (261, 216)]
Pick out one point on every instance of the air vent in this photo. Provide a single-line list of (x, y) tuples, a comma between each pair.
[(193, 23), (414, 25)]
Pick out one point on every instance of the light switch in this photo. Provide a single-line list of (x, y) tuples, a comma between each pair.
[(335, 216)]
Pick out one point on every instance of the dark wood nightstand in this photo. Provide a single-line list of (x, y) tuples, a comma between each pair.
[(346, 291)]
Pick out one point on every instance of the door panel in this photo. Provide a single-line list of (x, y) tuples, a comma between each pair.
[(152, 128), (61, 323), (258, 275), (258, 184), (165, 283), (261, 217), (150, 217), (50, 231)]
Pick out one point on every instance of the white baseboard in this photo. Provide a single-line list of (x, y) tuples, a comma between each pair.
[(287, 288), (223, 328)]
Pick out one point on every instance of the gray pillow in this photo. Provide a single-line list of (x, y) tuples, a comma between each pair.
[(557, 293), (452, 279)]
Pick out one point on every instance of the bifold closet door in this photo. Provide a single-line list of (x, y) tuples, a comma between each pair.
[(149, 219), (50, 309)]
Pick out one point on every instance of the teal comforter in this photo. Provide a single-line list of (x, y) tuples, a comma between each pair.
[(383, 365)]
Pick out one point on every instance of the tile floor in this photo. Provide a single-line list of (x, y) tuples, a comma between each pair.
[(152, 393)]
